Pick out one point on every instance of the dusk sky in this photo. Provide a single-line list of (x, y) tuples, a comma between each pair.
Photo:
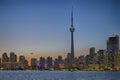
[(42, 26)]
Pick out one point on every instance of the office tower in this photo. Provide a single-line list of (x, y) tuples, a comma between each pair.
[(60, 59), (13, 57), (80, 63), (69, 57), (92, 55), (102, 57), (49, 62), (82, 59), (113, 50), (5, 61), (21, 58), (22, 62), (42, 63), (33, 63), (26, 64), (68, 61), (72, 29), (56, 67), (5, 58), (13, 61), (113, 44), (92, 50), (87, 60)]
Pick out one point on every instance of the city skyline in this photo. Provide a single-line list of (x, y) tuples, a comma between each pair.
[(42, 27), (101, 60)]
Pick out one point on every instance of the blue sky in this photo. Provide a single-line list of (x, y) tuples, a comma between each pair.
[(42, 26)]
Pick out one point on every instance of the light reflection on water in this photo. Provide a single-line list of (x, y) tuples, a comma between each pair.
[(59, 75)]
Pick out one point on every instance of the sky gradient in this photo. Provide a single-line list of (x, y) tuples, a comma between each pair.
[(42, 26)]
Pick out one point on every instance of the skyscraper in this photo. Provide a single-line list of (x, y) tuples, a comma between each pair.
[(13, 57), (69, 57), (72, 29), (60, 59), (49, 62), (33, 63), (112, 49), (21, 58), (22, 62), (5, 58), (56, 66), (42, 63), (113, 44), (26, 64), (92, 50)]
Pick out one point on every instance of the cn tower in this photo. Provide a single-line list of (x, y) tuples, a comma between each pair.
[(72, 29)]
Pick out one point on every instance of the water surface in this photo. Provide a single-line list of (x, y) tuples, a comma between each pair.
[(59, 75)]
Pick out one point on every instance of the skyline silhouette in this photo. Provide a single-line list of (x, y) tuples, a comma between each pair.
[(103, 59)]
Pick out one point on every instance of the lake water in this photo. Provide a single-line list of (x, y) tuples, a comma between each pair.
[(59, 75)]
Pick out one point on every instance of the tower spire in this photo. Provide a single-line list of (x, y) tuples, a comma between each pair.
[(72, 17)]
